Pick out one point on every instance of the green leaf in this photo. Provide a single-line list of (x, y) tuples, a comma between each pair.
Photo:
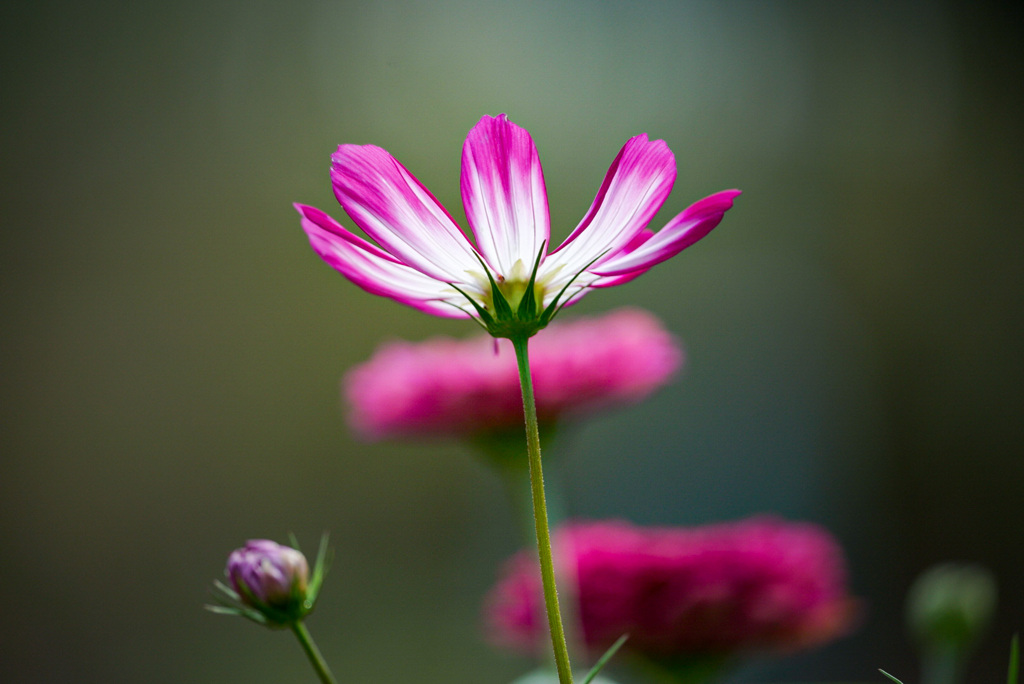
[(1013, 671), (603, 660), (890, 676)]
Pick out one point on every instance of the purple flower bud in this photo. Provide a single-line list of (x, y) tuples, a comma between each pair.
[(268, 575)]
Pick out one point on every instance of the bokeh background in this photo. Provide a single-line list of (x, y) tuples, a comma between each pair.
[(171, 348)]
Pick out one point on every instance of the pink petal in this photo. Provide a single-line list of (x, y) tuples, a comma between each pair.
[(610, 281), (503, 192), (691, 225), (587, 281), (394, 208), (633, 191), (374, 270)]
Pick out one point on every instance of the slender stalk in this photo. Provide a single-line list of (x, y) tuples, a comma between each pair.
[(540, 515), (313, 653)]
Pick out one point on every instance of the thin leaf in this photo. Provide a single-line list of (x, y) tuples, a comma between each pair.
[(1013, 671), (890, 676), (603, 660)]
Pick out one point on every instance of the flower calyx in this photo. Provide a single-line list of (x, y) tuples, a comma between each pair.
[(513, 307)]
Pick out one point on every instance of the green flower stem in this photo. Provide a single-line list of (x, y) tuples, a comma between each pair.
[(312, 652), (540, 514), (516, 477)]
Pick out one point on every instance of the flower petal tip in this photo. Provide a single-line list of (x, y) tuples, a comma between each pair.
[(712, 205), (306, 211)]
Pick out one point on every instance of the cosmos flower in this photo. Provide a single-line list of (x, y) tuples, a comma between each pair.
[(754, 585), (508, 280), (445, 386)]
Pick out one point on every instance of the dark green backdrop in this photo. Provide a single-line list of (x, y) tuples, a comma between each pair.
[(171, 348)]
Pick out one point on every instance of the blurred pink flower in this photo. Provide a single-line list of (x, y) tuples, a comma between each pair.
[(446, 386), (753, 585)]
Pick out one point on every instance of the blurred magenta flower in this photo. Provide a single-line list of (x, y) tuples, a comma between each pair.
[(508, 280), (446, 386), (753, 585)]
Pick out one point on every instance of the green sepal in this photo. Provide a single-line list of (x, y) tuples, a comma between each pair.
[(553, 308), (275, 617), (890, 676), (231, 604), (603, 660), (486, 320), (226, 591), (247, 613), (527, 320), (504, 323), (502, 310), (528, 304), (320, 567)]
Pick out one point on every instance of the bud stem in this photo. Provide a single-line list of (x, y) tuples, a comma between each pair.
[(312, 652), (540, 513)]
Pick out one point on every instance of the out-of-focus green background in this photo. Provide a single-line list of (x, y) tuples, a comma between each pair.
[(171, 347)]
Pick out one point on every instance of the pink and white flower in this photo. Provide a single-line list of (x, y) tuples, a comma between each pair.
[(423, 259)]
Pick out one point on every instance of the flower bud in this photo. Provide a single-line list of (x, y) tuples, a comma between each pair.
[(270, 578), (949, 606), (270, 584)]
